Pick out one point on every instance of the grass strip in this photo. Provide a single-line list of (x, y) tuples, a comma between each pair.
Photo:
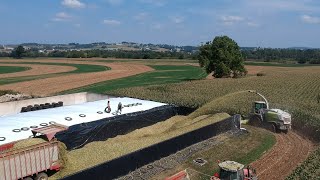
[(12, 69), (164, 74)]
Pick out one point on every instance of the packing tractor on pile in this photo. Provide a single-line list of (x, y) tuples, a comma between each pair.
[(275, 120), (235, 171)]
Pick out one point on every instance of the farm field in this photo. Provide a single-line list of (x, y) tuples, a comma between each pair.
[(291, 87), (54, 84), (12, 69), (295, 89)]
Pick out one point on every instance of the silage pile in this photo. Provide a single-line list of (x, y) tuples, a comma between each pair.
[(98, 152)]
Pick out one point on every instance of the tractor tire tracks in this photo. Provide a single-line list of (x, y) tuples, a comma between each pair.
[(289, 150)]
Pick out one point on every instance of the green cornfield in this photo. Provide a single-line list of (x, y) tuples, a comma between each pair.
[(295, 89)]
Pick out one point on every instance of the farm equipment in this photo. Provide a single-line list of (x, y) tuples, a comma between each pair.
[(34, 161), (274, 120), (231, 170)]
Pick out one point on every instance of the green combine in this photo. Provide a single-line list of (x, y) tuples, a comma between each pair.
[(275, 120)]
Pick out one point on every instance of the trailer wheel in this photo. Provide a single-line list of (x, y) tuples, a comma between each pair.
[(27, 178), (41, 176)]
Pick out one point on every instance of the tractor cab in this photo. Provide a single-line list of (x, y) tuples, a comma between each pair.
[(231, 170), (258, 106)]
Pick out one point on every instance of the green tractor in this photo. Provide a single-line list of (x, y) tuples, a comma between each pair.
[(231, 170), (275, 120)]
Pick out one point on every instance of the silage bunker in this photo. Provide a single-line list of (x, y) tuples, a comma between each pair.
[(127, 163), (84, 114), (81, 134)]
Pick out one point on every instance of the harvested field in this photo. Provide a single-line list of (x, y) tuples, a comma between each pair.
[(98, 152), (290, 150), (37, 70), (57, 84)]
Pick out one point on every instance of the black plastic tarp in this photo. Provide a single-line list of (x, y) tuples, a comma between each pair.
[(79, 135), (125, 164)]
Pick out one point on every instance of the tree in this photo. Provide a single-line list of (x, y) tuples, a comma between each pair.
[(18, 52), (223, 57)]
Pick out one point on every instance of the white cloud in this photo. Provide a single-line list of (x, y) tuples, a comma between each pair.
[(77, 25), (111, 22), (310, 19), (141, 16), (177, 19), (73, 4), (62, 16), (230, 20), (155, 2)]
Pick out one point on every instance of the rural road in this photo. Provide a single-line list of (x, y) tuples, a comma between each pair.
[(289, 150)]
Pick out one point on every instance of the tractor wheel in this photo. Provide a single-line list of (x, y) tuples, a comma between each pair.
[(41, 176), (286, 131), (27, 178), (255, 121), (271, 127)]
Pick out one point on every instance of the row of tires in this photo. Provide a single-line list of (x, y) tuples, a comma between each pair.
[(37, 107)]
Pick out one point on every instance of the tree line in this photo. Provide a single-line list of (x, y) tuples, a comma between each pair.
[(301, 56), (20, 52)]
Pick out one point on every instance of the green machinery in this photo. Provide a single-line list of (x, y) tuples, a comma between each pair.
[(231, 170), (275, 120)]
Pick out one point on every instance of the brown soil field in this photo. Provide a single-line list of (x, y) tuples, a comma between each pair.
[(53, 85), (289, 150), (36, 70)]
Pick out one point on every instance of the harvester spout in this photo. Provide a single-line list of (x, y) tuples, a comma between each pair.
[(265, 99)]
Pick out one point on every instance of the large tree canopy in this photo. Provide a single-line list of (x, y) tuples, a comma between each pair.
[(223, 57), (18, 52)]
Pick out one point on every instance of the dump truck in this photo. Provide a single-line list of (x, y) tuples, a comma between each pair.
[(275, 120), (231, 170), (31, 162)]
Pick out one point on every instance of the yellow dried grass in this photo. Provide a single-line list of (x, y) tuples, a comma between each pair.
[(98, 152)]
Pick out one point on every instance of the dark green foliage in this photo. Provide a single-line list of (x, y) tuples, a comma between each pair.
[(223, 57), (301, 56), (141, 54), (18, 52)]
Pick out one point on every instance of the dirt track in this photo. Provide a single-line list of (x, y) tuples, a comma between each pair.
[(53, 85), (290, 150)]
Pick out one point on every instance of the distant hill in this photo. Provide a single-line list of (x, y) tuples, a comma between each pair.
[(301, 48)]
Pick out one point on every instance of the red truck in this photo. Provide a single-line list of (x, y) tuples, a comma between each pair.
[(32, 162)]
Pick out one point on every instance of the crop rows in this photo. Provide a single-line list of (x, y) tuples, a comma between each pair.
[(292, 89)]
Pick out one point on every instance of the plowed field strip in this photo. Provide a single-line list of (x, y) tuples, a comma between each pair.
[(58, 84), (290, 150)]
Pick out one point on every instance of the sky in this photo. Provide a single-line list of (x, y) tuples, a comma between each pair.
[(251, 23)]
